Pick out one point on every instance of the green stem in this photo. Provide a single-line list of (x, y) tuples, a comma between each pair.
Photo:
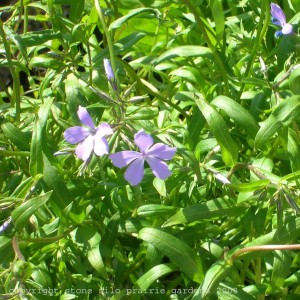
[(108, 36), (138, 194), (16, 97), (102, 174), (14, 153), (90, 63), (25, 26), (261, 30), (58, 237), (217, 57)]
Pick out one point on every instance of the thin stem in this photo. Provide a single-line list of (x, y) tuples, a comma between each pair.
[(138, 194), (107, 34), (264, 248), (102, 174), (25, 25), (16, 248), (217, 57), (14, 153), (90, 63), (261, 30), (58, 237), (16, 97)]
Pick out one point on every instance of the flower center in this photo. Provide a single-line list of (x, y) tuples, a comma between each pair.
[(92, 131)]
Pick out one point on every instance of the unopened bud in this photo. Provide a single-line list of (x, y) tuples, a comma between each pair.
[(108, 70)]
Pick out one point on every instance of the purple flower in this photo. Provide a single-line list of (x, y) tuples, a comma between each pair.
[(89, 138), (154, 155), (278, 18)]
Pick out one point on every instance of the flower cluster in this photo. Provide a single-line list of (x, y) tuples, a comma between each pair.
[(91, 139)]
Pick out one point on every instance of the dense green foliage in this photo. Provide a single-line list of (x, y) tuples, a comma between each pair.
[(207, 77)]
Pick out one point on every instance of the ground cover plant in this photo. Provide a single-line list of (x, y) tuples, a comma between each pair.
[(149, 149)]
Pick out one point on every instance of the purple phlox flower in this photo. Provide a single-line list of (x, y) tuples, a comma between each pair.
[(153, 154), (89, 138), (278, 18)]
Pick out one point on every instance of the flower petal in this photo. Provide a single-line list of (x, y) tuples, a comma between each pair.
[(159, 167), (135, 172), (162, 151), (85, 117), (278, 14), (124, 158), (100, 145), (76, 134), (104, 129), (84, 149), (287, 29), (143, 140)]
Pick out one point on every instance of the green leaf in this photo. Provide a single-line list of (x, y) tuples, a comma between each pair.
[(46, 61), (74, 95), (132, 13), (281, 267), (128, 41), (36, 154), (41, 276), (35, 38), (293, 149), (179, 252), (184, 51), (95, 258), (16, 136), (229, 291), (237, 113), (6, 250), (215, 274), (294, 81), (110, 236), (218, 127), (142, 112), (286, 234), (207, 210), (76, 10), (283, 114), (61, 197), (293, 279), (160, 186), (39, 135), (218, 16), (155, 209), (145, 281), (23, 212), (251, 186), (19, 42)]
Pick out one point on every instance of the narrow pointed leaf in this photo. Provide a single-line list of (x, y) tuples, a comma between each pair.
[(207, 210), (283, 115), (219, 128), (184, 51), (23, 212), (179, 252), (132, 13), (145, 281), (237, 113)]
